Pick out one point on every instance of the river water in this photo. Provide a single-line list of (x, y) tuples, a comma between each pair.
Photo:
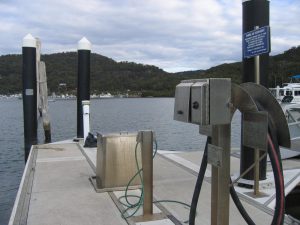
[(107, 115)]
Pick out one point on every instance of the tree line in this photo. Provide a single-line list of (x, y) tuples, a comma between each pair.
[(108, 75)]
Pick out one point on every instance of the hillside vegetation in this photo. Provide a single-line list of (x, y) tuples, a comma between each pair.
[(108, 75)]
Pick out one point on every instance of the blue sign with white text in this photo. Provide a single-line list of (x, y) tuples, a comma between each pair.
[(256, 42)]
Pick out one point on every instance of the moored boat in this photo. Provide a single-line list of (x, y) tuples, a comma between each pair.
[(288, 92)]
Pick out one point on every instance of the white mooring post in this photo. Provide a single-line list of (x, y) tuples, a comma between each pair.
[(86, 118)]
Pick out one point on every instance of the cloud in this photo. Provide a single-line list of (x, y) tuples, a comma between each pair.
[(171, 34), (284, 22)]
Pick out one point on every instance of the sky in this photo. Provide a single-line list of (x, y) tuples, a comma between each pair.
[(175, 35)]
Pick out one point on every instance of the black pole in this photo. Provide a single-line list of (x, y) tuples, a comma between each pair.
[(29, 93), (83, 81), (255, 13)]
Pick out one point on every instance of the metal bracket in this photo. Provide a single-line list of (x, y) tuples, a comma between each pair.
[(255, 130), (205, 130), (264, 97), (214, 155)]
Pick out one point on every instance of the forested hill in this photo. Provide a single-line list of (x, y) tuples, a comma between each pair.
[(108, 75)]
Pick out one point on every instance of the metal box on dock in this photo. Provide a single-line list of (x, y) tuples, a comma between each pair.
[(203, 101), (116, 160)]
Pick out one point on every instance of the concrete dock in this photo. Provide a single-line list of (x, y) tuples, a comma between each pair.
[(56, 189)]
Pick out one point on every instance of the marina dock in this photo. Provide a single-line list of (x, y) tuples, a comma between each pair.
[(56, 189), (124, 177)]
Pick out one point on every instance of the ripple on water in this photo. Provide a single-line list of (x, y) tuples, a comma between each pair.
[(109, 115)]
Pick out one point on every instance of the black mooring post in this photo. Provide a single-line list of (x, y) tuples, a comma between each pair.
[(255, 13), (29, 93), (83, 80)]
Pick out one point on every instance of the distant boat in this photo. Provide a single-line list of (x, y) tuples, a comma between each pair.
[(107, 95)]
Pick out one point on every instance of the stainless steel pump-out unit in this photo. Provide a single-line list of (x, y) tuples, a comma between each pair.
[(203, 101), (116, 160), (210, 103), (206, 102)]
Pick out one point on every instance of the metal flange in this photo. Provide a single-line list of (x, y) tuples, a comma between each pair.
[(241, 100), (263, 97)]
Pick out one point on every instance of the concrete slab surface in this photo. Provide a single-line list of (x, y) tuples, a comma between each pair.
[(61, 192)]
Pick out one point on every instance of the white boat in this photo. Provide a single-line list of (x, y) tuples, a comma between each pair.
[(289, 92), (289, 98), (292, 114)]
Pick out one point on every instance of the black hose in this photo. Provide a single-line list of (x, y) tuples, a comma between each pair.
[(234, 195), (198, 185), (275, 158), (274, 138), (278, 217), (197, 191), (239, 205)]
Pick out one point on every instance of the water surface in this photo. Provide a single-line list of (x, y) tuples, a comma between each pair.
[(107, 115)]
